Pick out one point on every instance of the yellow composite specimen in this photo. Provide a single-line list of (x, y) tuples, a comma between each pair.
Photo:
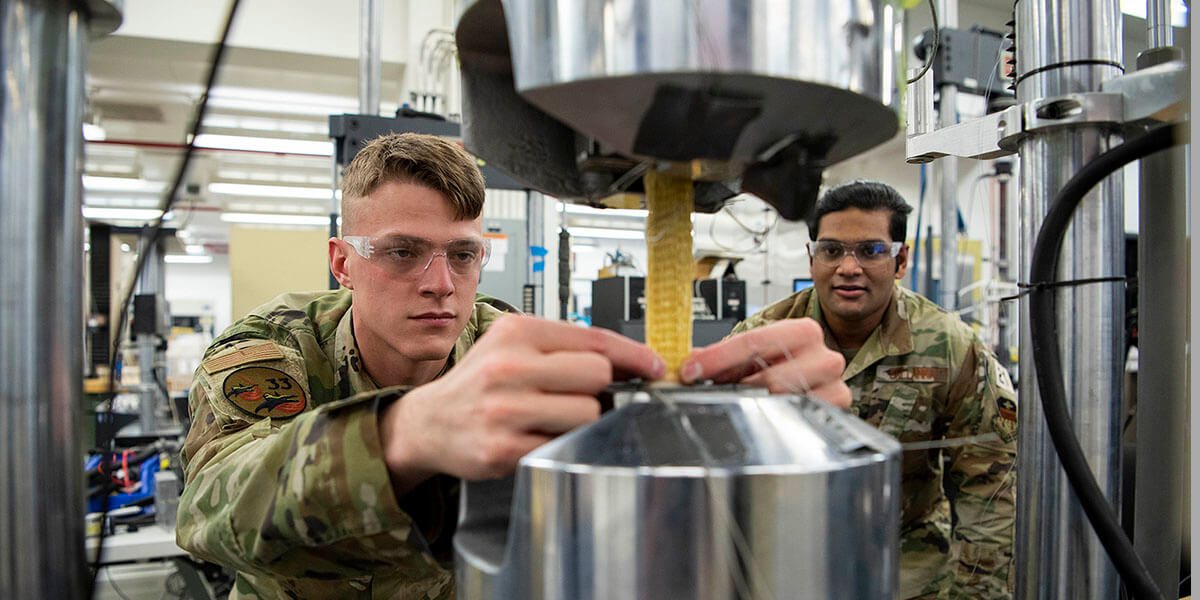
[(669, 276)]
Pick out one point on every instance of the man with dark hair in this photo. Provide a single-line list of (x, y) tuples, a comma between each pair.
[(330, 429), (920, 374)]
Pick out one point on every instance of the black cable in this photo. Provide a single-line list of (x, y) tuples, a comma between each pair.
[(937, 38), (152, 236), (1049, 362)]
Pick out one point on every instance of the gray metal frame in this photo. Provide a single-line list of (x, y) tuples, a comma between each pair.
[(43, 54), (1074, 103)]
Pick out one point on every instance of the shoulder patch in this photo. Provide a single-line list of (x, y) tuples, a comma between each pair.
[(1002, 379), (1005, 419), (913, 374), (264, 392), (241, 356), (1007, 409)]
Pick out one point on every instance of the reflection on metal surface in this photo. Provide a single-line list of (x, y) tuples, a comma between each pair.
[(1069, 47), (770, 91), (698, 494), (43, 56)]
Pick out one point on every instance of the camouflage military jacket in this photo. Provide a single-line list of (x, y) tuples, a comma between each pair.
[(922, 376), (285, 481)]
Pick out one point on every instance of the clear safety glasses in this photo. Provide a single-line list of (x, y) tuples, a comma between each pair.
[(406, 255), (867, 254)]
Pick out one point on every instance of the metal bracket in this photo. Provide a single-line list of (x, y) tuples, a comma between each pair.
[(1158, 93), (981, 138)]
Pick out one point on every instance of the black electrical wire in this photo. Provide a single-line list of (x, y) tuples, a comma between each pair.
[(151, 237), (937, 39), (1049, 362)]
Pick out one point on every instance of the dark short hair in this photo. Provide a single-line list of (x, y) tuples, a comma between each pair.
[(863, 195)]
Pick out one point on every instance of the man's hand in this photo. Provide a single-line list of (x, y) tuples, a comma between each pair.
[(787, 357), (523, 383)]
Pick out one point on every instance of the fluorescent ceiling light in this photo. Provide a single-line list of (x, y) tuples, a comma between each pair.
[(187, 258), (215, 141), (1137, 8), (271, 191), (608, 234), (266, 124), (274, 219), (191, 248), (262, 100), (121, 214), (93, 133), (582, 209), (93, 183), (111, 168)]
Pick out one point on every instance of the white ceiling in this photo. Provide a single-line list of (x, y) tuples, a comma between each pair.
[(290, 64)]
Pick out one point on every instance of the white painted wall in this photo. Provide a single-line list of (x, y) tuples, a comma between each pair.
[(201, 289)]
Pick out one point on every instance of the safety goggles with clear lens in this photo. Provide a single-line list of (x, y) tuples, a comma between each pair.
[(407, 255), (867, 254)]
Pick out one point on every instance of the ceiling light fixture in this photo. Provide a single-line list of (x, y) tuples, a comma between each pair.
[(271, 191), (213, 141), (187, 259), (275, 219), (606, 234), (277, 101), (93, 133), (123, 214), (93, 183), (582, 209)]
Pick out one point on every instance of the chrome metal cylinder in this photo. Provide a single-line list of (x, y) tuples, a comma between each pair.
[(946, 171), (703, 495), (1067, 46), (760, 69), (1162, 394), (43, 47), (1158, 23), (369, 60)]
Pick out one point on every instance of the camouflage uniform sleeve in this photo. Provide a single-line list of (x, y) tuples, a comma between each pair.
[(304, 495), (981, 477)]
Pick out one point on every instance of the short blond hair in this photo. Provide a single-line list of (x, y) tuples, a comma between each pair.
[(420, 159)]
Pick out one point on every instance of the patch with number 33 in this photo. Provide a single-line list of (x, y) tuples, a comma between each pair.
[(264, 392)]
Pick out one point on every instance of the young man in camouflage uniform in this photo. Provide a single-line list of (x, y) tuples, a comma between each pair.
[(328, 429), (920, 374)]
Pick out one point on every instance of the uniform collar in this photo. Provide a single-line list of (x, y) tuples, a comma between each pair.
[(893, 336), (347, 359)]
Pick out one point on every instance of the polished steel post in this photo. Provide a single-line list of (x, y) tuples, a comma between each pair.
[(369, 65), (152, 282), (535, 233), (42, 56), (1068, 46), (947, 169), (1158, 23), (1162, 395)]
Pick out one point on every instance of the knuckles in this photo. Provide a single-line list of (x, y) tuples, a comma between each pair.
[(497, 456), (505, 329)]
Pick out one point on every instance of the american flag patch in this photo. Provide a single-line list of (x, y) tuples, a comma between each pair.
[(241, 356)]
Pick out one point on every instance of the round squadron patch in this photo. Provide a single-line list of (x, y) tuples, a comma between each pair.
[(264, 392)]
